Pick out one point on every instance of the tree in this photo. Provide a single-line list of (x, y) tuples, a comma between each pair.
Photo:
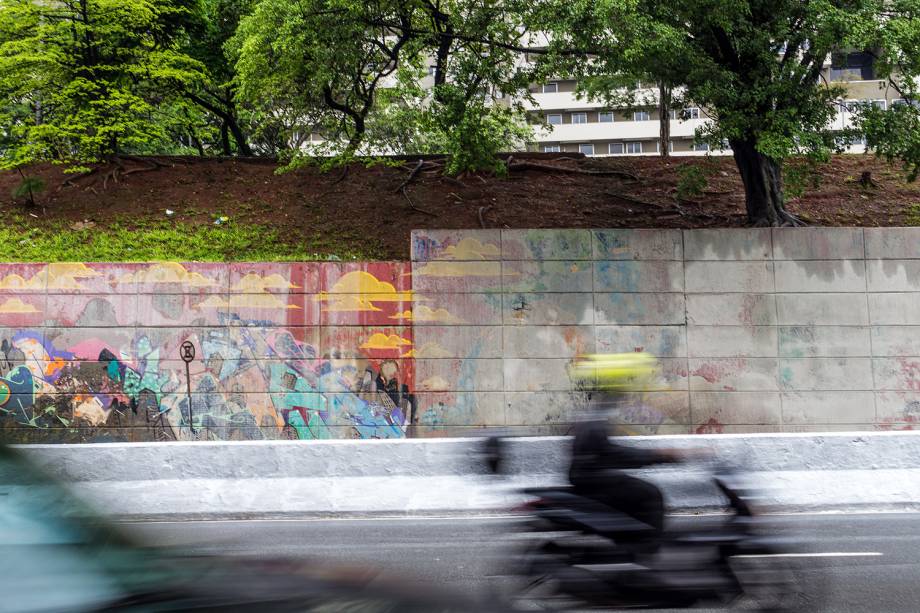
[(210, 27), (352, 70), (755, 66), (894, 44), (83, 81)]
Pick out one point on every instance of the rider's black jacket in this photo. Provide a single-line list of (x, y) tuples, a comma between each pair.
[(595, 454)]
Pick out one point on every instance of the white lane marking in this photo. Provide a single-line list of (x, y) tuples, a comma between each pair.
[(329, 519), (826, 554), (497, 516)]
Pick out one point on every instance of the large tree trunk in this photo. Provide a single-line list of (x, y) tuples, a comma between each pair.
[(763, 186), (225, 139), (664, 119), (242, 147)]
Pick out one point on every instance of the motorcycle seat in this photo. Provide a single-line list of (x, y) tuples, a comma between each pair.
[(591, 515)]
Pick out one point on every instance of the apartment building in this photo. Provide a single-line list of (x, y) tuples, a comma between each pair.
[(574, 124)]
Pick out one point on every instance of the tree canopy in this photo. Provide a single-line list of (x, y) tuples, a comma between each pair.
[(85, 80)]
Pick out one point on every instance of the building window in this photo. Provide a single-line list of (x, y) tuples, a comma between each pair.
[(431, 70), (579, 118), (616, 149), (587, 149), (640, 116), (857, 66), (605, 117), (672, 114), (551, 149), (852, 105), (699, 147), (693, 113), (554, 119), (550, 88), (635, 147), (880, 104)]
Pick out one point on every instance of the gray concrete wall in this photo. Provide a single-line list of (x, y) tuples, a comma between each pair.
[(758, 330), (783, 472)]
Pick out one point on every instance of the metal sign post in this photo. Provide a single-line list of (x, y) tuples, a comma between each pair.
[(187, 350)]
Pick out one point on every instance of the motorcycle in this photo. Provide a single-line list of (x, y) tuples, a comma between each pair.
[(583, 553)]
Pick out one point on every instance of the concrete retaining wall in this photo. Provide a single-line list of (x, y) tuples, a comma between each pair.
[(759, 330), (789, 472)]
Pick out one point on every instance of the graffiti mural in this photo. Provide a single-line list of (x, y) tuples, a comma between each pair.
[(91, 352)]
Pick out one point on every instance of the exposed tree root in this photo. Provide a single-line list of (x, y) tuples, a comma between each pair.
[(415, 208), (411, 177), (115, 168), (553, 168), (482, 212), (675, 208), (785, 220)]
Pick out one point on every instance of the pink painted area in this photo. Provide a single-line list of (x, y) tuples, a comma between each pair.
[(713, 426), (910, 370), (91, 348), (713, 372)]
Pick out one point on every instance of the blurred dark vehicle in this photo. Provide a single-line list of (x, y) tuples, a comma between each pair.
[(58, 555), (581, 552)]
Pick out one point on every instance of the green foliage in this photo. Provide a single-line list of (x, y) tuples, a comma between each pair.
[(171, 241), (83, 81), (353, 72), (802, 174), (913, 215), (691, 181), (756, 67), (29, 187)]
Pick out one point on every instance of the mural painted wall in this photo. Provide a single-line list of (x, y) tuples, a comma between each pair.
[(758, 330), (92, 352)]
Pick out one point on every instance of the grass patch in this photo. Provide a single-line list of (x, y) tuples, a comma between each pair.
[(913, 215), (173, 241)]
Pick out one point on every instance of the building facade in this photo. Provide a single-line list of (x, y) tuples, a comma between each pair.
[(574, 124)]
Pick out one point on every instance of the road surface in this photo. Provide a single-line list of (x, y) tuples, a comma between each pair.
[(866, 563)]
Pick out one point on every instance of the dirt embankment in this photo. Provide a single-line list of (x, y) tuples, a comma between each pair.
[(381, 205)]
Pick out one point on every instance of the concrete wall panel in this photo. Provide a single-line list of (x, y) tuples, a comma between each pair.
[(725, 276), (638, 245), (547, 309), (547, 341), (818, 243), (547, 276), (728, 245), (894, 309), (731, 309), (662, 341), (739, 408), (546, 245), (638, 276), (894, 275), (822, 309), (824, 341), (829, 407), (829, 374), (732, 341), (892, 243), (895, 341), (639, 309), (820, 276), (734, 374)]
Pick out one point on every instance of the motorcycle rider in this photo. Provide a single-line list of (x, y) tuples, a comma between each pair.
[(598, 462)]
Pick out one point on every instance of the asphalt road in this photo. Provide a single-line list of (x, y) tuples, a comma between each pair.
[(863, 563)]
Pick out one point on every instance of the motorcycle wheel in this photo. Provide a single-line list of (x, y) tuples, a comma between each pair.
[(539, 587), (770, 585)]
